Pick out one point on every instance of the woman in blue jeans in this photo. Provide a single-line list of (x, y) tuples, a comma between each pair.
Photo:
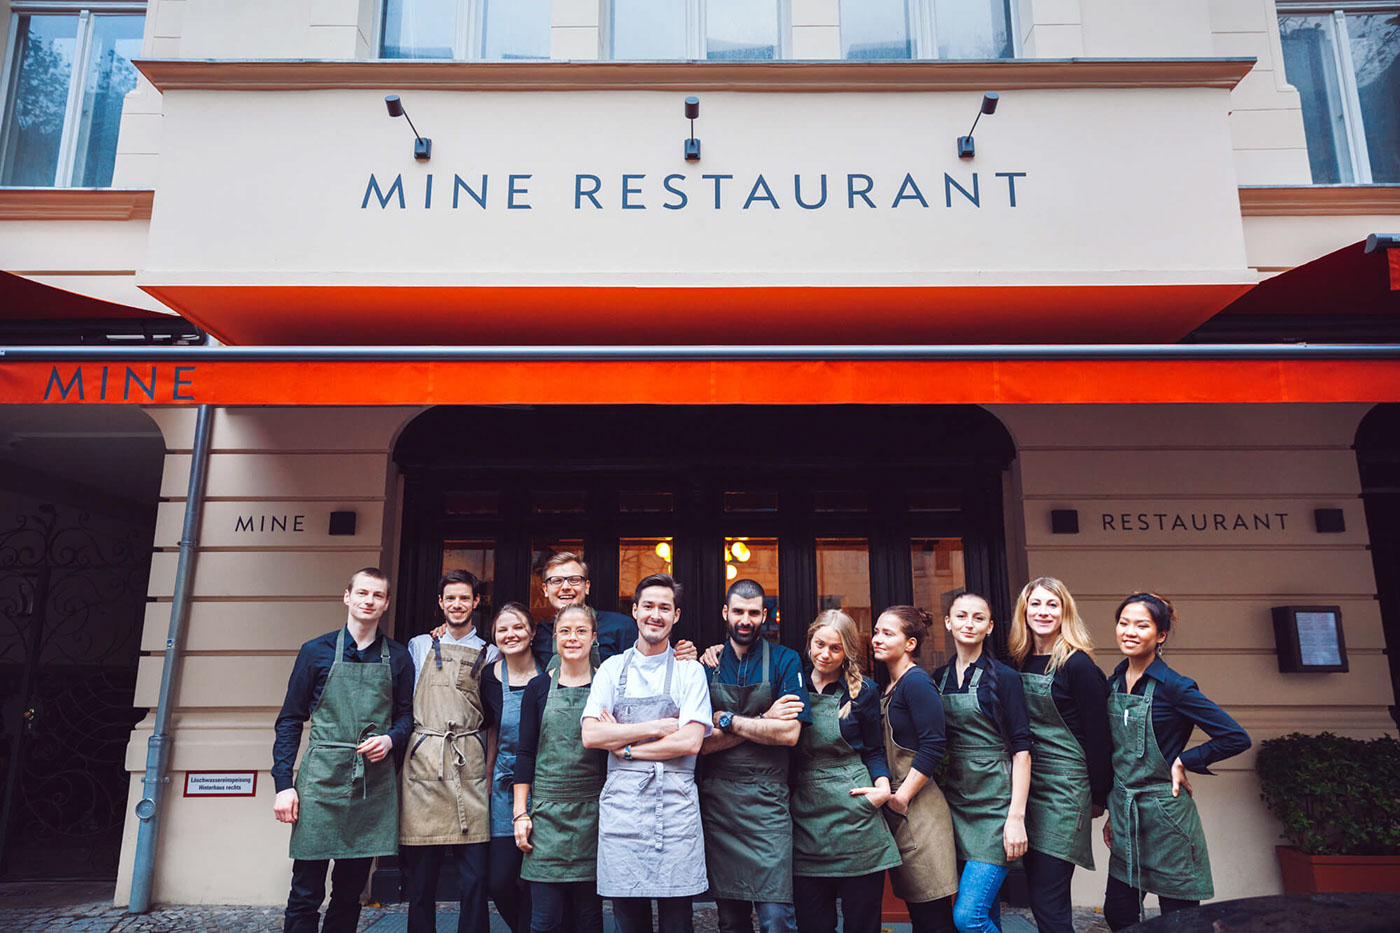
[(989, 763)]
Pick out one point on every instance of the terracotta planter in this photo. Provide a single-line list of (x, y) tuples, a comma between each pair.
[(1311, 874)]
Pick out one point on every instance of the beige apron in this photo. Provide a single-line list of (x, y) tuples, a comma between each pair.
[(924, 835), (444, 798)]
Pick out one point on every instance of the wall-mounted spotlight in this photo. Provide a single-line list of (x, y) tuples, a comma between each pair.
[(966, 149), (692, 145), (422, 146)]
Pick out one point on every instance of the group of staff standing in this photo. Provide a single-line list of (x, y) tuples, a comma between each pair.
[(557, 765)]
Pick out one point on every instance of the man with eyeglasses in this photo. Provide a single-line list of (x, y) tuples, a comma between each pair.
[(564, 579)]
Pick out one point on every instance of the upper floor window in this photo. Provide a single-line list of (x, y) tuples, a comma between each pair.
[(719, 30), (66, 75), (886, 29), (1342, 58), (466, 29)]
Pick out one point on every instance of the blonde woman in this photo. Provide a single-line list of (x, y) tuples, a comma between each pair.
[(1072, 768), (840, 780)]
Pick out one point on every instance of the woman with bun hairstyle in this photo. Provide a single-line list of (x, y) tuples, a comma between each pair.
[(840, 780), (1072, 768), (989, 763), (914, 745), (556, 786), (1154, 833)]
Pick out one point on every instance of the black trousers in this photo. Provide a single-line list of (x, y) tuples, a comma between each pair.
[(932, 916), (1048, 881), (309, 890), (1122, 904), (566, 907), (420, 866), (512, 896), (633, 914), (860, 895)]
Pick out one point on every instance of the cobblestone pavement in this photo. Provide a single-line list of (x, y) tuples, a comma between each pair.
[(51, 908)]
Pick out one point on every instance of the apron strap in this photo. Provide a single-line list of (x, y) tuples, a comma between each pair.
[(670, 668), (976, 679), (768, 668), (480, 660), (948, 672), (622, 677), (437, 651), (339, 647)]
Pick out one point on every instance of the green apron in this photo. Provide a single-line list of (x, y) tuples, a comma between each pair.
[(744, 805), (1158, 843), (1058, 810), (564, 795), (348, 806), (979, 774), (924, 835), (834, 835)]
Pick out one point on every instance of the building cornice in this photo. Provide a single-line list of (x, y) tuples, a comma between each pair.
[(799, 76), (1317, 200), (76, 203)]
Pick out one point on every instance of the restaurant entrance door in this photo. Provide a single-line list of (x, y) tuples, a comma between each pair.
[(852, 507)]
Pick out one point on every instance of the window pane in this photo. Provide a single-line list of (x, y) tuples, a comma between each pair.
[(1310, 62), (647, 29), (741, 30), (755, 559), (637, 559), (419, 28), (938, 577), (460, 502), (516, 29), (843, 582), (875, 29), (479, 558), (116, 40), (557, 501), (972, 28), (38, 99), (1375, 48), (541, 550)]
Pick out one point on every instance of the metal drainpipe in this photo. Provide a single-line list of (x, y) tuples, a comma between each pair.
[(158, 746)]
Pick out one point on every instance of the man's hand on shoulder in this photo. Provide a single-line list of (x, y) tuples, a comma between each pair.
[(685, 650), (285, 806), (375, 747)]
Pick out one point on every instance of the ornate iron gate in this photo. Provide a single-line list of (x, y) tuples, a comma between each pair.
[(72, 600)]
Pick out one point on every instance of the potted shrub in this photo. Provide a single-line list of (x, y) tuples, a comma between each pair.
[(1339, 802)]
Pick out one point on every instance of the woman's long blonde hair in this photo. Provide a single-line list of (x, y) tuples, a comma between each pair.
[(1074, 634), (851, 647)]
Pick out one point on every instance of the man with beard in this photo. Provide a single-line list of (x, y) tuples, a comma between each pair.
[(759, 705), (652, 711)]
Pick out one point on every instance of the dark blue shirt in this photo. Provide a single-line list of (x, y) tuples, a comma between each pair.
[(916, 719), (999, 693), (1178, 706), (304, 687), (861, 727), (1080, 692), (616, 633), (531, 720), (748, 671)]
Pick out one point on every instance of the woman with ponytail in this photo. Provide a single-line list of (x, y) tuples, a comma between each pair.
[(914, 743), (1072, 769), (1154, 834), (989, 763), (840, 780)]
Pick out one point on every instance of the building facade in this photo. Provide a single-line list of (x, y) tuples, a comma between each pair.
[(830, 353)]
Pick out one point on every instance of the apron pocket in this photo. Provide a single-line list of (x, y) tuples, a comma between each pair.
[(902, 832), (327, 772), (1169, 847), (425, 759)]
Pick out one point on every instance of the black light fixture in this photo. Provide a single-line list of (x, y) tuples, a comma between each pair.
[(692, 145), (1064, 521), (422, 146), (966, 149)]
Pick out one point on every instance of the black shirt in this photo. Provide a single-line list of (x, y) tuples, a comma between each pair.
[(491, 694), (916, 719), (999, 693), (304, 687), (862, 727), (1178, 706), (1080, 692), (531, 718)]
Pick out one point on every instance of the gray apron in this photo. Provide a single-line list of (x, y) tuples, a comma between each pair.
[(649, 838), (1058, 811), (503, 775), (1158, 842), (744, 804)]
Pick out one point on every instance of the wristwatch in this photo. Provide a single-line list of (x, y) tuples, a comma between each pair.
[(726, 718), (627, 752)]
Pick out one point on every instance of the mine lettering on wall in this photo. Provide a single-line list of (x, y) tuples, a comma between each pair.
[(120, 383), (1194, 521), (264, 523)]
